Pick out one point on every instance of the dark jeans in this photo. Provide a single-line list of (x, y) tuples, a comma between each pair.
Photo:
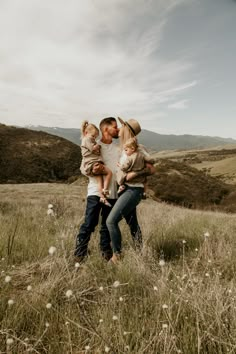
[(92, 212), (125, 207)]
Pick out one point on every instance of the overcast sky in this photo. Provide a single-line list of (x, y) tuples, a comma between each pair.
[(168, 63)]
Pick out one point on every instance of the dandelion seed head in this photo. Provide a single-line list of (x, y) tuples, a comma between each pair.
[(115, 318), (101, 288), (165, 326), (196, 249), (207, 274), (184, 241), (67, 323), (116, 284), (69, 293), (121, 299), (206, 234), (29, 288), (77, 265), (10, 302), (50, 206), (162, 263), (127, 347), (52, 250), (9, 341), (107, 349), (49, 306), (7, 279), (155, 288), (87, 347), (164, 306), (101, 320), (3, 259), (47, 324)]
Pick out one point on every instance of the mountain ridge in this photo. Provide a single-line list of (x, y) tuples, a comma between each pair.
[(153, 141)]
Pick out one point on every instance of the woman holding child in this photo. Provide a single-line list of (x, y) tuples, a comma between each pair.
[(133, 159)]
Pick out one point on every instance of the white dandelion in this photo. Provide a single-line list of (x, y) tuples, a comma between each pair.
[(77, 265), (7, 279), (10, 302), (52, 250), (101, 320), (9, 341), (47, 324), (162, 263), (87, 347), (101, 288), (184, 242), (69, 293), (107, 349), (116, 284), (165, 326), (155, 288), (115, 318), (49, 306), (29, 288), (121, 299), (206, 234), (164, 306)]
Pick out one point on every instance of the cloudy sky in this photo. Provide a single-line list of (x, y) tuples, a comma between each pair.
[(168, 63)]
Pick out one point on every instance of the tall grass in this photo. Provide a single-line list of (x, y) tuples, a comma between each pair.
[(177, 296)]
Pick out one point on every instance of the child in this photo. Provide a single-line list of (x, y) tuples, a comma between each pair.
[(135, 160), (92, 163)]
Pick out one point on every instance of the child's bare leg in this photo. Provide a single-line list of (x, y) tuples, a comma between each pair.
[(107, 178), (99, 179)]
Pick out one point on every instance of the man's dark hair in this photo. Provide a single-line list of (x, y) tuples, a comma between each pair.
[(106, 121)]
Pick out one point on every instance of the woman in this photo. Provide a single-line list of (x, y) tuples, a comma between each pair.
[(130, 197)]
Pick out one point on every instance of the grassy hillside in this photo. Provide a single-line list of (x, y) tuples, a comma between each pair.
[(178, 296), (28, 156)]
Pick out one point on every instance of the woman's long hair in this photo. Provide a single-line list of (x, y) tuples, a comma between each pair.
[(125, 134)]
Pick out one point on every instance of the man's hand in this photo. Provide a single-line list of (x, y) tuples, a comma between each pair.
[(147, 171)]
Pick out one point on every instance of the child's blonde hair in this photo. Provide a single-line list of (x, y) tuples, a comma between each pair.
[(87, 127), (131, 143)]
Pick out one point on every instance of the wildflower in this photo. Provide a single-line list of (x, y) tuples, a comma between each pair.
[(10, 302), (206, 234), (162, 263), (165, 326), (196, 249), (13, 266), (107, 349), (101, 320), (77, 265), (101, 288), (50, 206), (29, 288), (3, 259), (183, 241), (87, 347), (116, 284), (49, 306), (8, 279), (121, 299), (155, 288), (207, 274), (164, 306), (127, 347), (9, 341), (115, 318), (67, 323), (52, 250), (47, 324), (69, 293)]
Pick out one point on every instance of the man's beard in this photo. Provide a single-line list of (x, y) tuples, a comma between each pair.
[(115, 136)]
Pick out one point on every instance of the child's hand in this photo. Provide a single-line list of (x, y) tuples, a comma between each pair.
[(96, 148)]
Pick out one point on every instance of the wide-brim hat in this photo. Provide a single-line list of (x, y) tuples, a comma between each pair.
[(132, 124)]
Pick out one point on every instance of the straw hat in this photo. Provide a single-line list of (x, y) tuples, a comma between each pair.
[(132, 124)]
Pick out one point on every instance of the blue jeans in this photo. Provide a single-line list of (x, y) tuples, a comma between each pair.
[(124, 208), (92, 212)]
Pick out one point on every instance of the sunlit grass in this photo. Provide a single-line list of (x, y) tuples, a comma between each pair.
[(177, 296)]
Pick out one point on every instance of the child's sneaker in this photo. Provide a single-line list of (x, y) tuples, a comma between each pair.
[(105, 201), (121, 189)]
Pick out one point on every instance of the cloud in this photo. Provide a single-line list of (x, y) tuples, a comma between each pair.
[(64, 63), (179, 104)]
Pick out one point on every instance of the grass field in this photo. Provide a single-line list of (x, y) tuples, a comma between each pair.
[(177, 296)]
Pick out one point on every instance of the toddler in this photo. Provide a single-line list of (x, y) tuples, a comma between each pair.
[(92, 163), (135, 161)]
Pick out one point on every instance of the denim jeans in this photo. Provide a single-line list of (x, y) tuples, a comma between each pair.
[(92, 212), (125, 207)]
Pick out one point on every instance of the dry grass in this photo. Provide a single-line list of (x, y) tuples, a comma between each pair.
[(184, 304)]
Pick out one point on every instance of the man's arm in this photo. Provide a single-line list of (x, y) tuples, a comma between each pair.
[(147, 171)]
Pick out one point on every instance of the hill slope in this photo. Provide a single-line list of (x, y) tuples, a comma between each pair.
[(150, 139), (30, 156)]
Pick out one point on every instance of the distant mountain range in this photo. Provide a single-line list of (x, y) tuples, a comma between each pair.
[(153, 141)]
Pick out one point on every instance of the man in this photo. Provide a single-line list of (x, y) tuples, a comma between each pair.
[(110, 156)]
